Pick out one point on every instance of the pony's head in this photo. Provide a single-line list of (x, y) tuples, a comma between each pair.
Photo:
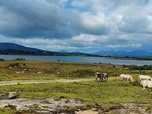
[(132, 80)]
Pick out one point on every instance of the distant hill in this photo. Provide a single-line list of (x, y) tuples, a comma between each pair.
[(12, 46), (124, 53), (15, 49)]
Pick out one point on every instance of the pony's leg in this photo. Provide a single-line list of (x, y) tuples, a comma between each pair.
[(143, 88), (101, 78), (96, 79), (128, 80)]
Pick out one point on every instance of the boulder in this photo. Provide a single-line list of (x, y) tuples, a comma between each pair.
[(4, 105), (12, 95), (3, 96)]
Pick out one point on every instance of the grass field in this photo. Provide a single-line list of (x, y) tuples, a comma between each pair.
[(111, 91)]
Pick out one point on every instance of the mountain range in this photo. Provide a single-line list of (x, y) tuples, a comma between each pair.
[(11, 48), (124, 53)]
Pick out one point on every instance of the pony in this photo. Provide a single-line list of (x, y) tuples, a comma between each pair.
[(144, 77), (101, 76), (105, 76), (126, 77), (146, 83)]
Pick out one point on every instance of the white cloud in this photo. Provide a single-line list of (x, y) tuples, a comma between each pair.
[(129, 46), (149, 20), (77, 24), (91, 21)]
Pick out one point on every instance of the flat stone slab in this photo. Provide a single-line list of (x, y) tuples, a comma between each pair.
[(45, 105), (70, 106)]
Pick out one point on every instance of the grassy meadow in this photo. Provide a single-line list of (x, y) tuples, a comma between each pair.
[(111, 91)]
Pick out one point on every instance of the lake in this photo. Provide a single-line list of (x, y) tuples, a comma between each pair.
[(79, 59)]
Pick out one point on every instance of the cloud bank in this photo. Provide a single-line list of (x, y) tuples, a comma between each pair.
[(77, 25)]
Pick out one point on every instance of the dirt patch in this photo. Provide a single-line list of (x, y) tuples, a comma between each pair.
[(15, 82)]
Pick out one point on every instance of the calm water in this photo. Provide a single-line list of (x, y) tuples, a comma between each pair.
[(80, 59)]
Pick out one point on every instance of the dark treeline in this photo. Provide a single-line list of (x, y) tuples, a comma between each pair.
[(144, 67), (40, 52), (132, 57)]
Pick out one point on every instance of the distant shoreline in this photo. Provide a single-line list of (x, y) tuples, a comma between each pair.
[(80, 59), (146, 58)]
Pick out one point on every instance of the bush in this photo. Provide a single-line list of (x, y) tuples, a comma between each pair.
[(144, 67), (20, 59), (1, 59)]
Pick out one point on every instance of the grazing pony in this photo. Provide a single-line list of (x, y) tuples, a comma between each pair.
[(101, 76), (144, 77), (126, 77), (146, 83)]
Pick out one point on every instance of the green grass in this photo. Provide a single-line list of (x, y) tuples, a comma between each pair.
[(7, 111), (95, 92)]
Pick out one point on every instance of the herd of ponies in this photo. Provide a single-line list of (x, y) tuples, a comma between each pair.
[(145, 80)]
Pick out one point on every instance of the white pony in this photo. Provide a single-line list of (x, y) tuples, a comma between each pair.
[(146, 83), (126, 77), (144, 77)]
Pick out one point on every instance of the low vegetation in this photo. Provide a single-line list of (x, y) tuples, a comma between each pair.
[(144, 67), (1, 59)]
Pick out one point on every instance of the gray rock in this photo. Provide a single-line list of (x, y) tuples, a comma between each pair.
[(3, 96), (94, 109), (118, 111), (43, 112), (12, 95), (4, 105)]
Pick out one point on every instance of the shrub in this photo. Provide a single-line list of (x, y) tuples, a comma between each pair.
[(20, 59), (144, 67), (1, 59)]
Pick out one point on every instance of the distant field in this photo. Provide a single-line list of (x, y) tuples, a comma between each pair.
[(111, 91), (43, 70)]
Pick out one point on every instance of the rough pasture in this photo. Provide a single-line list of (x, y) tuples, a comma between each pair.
[(111, 91)]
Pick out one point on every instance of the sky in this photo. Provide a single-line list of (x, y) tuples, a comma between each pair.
[(77, 25)]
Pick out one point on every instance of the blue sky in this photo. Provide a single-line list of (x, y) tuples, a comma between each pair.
[(77, 25)]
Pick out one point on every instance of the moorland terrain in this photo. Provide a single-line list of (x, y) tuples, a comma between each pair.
[(41, 80)]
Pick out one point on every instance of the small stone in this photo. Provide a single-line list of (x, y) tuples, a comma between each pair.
[(94, 109), (43, 112)]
